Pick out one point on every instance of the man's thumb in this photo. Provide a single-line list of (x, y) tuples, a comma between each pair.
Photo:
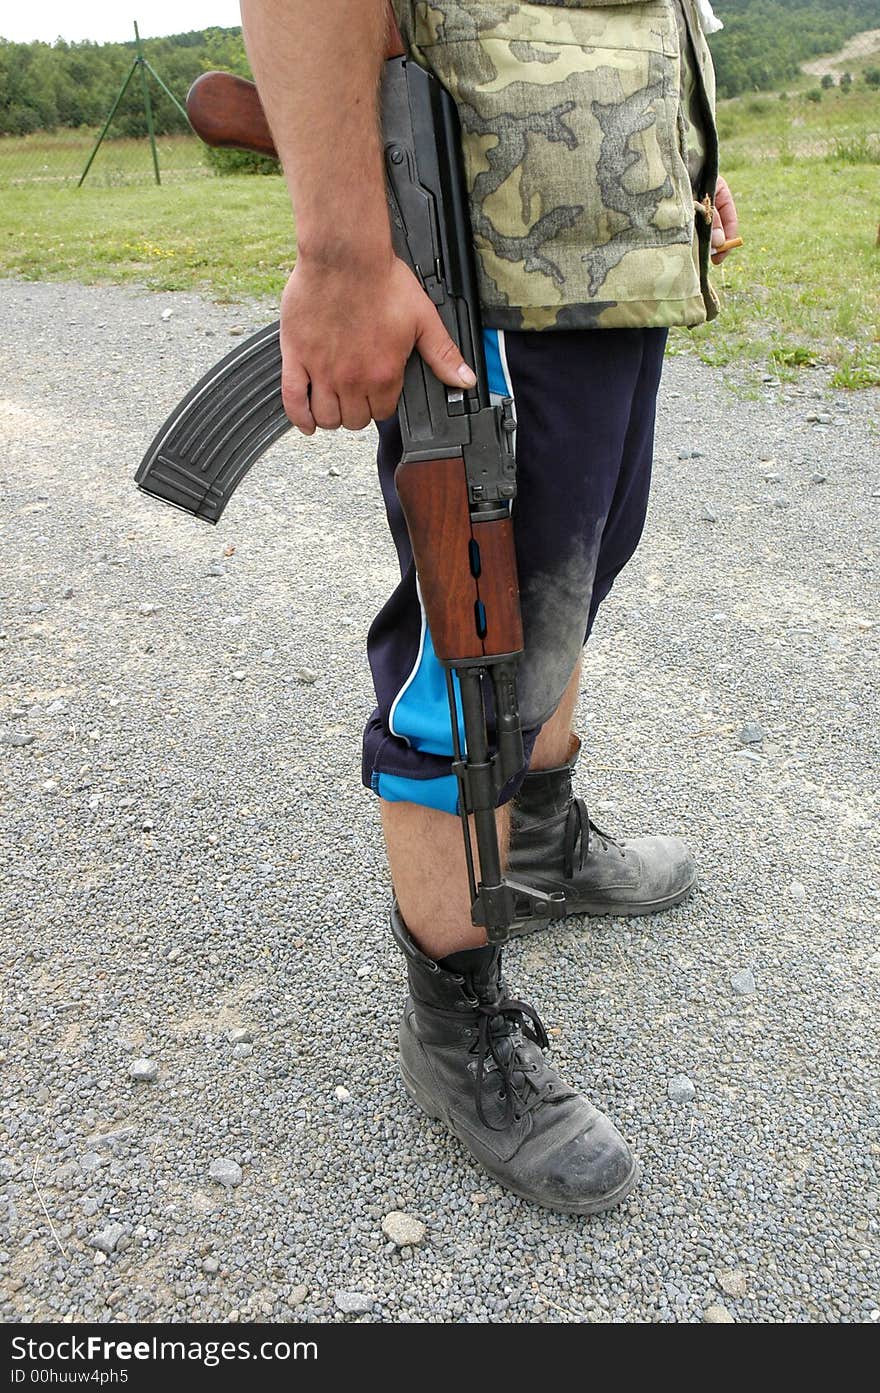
[(441, 354)]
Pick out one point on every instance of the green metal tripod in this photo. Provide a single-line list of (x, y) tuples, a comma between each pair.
[(142, 66)]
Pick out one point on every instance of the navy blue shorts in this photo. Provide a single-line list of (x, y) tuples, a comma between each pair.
[(584, 402)]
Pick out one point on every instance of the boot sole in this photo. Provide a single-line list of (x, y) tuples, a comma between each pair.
[(597, 909), (615, 1197)]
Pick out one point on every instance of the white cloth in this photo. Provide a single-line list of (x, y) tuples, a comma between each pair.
[(708, 18)]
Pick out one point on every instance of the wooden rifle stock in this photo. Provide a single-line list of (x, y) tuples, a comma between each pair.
[(226, 111)]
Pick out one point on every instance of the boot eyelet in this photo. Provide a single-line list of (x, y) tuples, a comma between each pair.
[(472, 1000)]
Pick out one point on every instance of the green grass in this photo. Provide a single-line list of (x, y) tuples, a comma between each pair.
[(805, 288), (228, 237), (764, 126)]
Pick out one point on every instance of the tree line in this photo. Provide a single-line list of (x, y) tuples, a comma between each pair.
[(43, 86)]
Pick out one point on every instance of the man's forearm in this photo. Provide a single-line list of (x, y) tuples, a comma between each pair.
[(317, 64)]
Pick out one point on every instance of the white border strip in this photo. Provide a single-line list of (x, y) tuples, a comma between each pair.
[(412, 677)]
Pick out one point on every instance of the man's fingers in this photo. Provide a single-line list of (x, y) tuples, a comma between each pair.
[(295, 396), (725, 211), (440, 353), (725, 225), (355, 412), (325, 408)]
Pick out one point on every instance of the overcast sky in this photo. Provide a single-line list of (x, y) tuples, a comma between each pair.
[(109, 19)]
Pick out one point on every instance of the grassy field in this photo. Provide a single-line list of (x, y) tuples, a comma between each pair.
[(806, 174), (228, 237)]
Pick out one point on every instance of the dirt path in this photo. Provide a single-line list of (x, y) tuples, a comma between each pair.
[(859, 46)]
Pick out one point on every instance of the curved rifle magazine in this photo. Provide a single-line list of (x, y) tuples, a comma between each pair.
[(223, 425)]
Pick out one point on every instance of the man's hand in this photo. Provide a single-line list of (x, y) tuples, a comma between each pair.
[(346, 334), (725, 226), (351, 313)]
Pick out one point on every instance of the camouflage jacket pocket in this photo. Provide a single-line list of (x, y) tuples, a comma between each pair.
[(581, 202)]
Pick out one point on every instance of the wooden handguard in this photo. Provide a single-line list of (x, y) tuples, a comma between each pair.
[(448, 549), (226, 111)]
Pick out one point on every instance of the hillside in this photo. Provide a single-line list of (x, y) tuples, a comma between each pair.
[(765, 43)]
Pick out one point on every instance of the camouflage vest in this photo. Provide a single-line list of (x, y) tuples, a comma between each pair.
[(590, 149)]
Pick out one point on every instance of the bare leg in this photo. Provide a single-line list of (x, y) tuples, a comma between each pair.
[(426, 850), (553, 745), (428, 867)]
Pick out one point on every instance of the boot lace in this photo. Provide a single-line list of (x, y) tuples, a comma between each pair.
[(516, 1015), (581, 832)]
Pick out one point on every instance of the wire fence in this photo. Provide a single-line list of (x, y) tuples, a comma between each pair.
[(58, 158)]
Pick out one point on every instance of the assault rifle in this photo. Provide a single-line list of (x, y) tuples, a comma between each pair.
[(456, 479)]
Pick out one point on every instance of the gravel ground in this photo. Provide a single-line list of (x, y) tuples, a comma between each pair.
[(201, 1116)]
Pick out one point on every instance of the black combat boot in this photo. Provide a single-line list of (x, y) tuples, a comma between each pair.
[(471, 1055), (555, 846)]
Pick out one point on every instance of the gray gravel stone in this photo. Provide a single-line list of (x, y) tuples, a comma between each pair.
[(353, 1303), (751, 733), (733, 1283), (718, 1315), (680, 1089), (403, 1230), (743, 982), (226, 1172), (108, 1237), (17, 739), (240, 1035), (143, 1070)]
